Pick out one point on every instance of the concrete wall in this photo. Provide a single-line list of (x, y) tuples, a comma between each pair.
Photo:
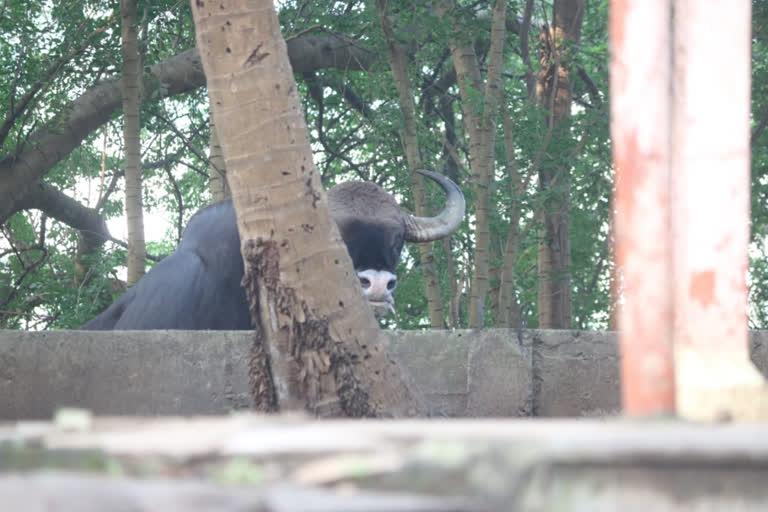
[(492, 372)]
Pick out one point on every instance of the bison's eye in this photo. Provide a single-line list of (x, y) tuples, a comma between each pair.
[(365, 282), (391, 284)]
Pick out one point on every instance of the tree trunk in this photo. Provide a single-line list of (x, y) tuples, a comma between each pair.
[(399, 64), (451, 169), (508, 311), (496, 251), (482, 134), (614, 293), (217, 172), (131, 81), (554, 91), (316, 345)]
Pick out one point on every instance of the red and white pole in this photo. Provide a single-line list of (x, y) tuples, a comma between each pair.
[(710, 210), (640, 131), (680, 129)]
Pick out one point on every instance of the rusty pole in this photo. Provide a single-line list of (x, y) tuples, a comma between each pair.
[(710, 211), (641, 109)]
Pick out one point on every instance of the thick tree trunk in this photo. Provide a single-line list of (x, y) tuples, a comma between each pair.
[(399, 64), (131, 81), (482, 133), (554, 91), (317, 345), (217, 171)]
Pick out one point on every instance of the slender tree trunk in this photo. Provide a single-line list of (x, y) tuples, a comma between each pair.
[(469, 81), (613, 273), (554, 92), (399, 64), (217, 173), (509, 312), (131, 80), (482, 133), (316, 345), (496, 252), (451, 169), (454, 292)]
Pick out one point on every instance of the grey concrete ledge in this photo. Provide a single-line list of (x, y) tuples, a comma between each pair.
[(286, 463), (493, 372)]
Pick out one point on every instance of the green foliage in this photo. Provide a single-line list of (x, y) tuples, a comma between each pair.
[(37, 281), (758, 270), (53, 53)]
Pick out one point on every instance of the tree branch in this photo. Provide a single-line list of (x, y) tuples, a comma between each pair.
[(594, 90), (525, 52), (180, 201), (759, 129), (187, 143), (54, 203), (183, 73)]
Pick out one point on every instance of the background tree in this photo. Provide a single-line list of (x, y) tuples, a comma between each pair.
[(217, 169), (398, 60), (130, 84), (480, 124), (554, 91)]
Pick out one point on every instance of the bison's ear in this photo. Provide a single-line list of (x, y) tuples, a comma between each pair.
[(427, 229)]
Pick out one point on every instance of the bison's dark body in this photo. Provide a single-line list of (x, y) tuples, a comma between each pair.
[(196, 287)]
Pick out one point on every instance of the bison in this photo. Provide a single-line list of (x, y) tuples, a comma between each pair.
[(198, 286)]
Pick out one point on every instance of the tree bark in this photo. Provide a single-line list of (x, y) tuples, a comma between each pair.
[(57, 205), (131, 82), (482, 133), (53, 142), (554, 93), (399, 64), (316, 343)]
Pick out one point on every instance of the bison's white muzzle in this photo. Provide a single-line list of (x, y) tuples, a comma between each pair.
[(377, 286)]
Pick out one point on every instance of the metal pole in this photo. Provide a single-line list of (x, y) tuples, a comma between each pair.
[(710, 210), (640, 130)]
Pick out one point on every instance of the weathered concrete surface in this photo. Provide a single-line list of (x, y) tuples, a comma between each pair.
[(289, 463), (492, 372), (575, 373), (158, 372), (468, 373)]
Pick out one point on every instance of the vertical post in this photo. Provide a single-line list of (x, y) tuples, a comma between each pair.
[(640, 130), (710, 211)]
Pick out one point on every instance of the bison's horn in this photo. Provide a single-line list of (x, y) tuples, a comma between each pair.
[(427, 229)]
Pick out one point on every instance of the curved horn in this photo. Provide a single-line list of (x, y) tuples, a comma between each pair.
[(427, 229)]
